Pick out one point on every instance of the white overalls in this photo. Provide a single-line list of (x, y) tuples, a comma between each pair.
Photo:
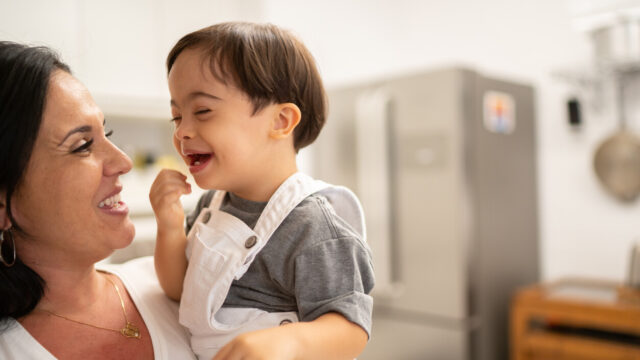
[(221, 248)]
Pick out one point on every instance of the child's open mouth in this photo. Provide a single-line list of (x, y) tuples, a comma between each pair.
[(197, 159), (197, 162)]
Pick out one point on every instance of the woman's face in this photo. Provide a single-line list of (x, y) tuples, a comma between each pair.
[(68, 200)]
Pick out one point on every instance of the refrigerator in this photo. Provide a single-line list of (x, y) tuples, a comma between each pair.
[(444, 162)]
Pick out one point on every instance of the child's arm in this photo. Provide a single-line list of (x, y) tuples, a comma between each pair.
[(170, 260), (331, 336)]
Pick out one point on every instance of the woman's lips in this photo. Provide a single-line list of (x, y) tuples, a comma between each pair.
[(110, 201), (113, 205), (120, 208)]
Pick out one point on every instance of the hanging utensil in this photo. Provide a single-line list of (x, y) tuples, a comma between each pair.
[(617, 158)]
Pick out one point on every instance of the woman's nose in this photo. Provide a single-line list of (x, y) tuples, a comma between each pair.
[(117, 162)]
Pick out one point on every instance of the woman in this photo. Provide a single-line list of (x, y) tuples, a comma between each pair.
[(60, 213)]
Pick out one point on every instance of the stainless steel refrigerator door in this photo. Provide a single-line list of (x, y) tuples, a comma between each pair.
[(503, 176), (430, 199)]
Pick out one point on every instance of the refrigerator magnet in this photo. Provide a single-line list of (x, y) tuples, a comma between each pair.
[(499, 111)]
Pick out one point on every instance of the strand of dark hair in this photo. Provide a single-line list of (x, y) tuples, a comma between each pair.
[(25, 72)]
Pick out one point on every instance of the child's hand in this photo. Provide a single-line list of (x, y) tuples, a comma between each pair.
[(273, 343), (165, 194)]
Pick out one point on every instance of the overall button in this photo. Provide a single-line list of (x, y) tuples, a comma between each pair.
[(250, 241), (285, 322), (206, 217)]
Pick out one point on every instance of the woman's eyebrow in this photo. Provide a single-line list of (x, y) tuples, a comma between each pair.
[(83, 129)]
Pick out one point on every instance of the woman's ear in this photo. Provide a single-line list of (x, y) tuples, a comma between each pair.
[(5, 222), (286, 119)]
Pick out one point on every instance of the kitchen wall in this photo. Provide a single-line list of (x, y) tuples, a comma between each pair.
[(117, 49)]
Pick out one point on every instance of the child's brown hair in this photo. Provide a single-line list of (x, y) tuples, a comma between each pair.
[(268, 63)]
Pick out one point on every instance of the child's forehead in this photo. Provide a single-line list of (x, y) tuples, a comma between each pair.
[(214, 63), (195, 75), (195, 67)]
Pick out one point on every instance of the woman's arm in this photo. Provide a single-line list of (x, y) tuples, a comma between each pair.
[(171, 241), (331, 336)]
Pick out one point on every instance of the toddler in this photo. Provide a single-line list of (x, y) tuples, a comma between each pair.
[(274, 264)]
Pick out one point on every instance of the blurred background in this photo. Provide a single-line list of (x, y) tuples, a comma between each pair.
[(493, 143)]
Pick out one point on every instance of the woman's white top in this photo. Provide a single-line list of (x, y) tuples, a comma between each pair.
[(160, 314)]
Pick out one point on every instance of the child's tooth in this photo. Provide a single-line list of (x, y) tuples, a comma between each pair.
[(101, 204), (196, 162), (108, 202)]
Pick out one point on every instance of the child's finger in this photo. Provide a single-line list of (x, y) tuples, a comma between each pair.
[(179, 185), (172, 180)]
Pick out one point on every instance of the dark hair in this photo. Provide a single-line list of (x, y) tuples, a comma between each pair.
[(24, 80), (269, 64)]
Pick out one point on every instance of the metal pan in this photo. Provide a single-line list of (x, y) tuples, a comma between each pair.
[(617, 159)]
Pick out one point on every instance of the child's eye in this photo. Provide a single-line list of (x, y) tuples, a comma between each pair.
[(203, 111), (108, 133), (85, 146), (176, 118)]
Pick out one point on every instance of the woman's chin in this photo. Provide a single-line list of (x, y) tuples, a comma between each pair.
[(124, 237), (119, 240), (129, 233)]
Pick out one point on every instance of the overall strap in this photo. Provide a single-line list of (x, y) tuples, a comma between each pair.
[(217, 199), (289, 194)]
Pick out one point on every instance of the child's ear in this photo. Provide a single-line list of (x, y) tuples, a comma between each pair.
[(287, 118)]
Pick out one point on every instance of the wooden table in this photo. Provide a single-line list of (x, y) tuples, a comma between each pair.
[(577, 319)]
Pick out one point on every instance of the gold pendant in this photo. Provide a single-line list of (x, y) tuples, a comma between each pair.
[(130, 331)]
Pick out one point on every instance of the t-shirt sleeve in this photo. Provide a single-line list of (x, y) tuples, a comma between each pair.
[(335, 276), (203, 202)]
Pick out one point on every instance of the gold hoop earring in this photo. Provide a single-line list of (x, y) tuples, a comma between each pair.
[(3, 235)]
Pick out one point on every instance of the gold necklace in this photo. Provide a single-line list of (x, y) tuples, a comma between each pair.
[(129, 330)]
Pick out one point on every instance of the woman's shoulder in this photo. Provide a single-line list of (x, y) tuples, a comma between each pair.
[(139, 278), (160, 314), (139, 271), (17, 343)]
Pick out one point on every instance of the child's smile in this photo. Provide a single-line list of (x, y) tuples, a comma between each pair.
[(198, 162)]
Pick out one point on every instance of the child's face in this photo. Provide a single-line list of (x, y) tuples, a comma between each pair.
[(216, 133)]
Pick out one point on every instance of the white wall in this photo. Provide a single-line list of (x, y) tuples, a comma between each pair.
[(118, 48)]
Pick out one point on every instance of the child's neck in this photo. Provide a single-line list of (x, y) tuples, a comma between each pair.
[(262, 188)]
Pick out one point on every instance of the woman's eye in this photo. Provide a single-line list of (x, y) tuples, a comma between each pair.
[(108, 133), (176, 118), (83, 147), (203, 111)]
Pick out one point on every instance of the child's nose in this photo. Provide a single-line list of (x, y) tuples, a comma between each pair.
[(184, 130)]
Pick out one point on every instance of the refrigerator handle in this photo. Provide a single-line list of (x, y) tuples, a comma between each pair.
[(375, 174)]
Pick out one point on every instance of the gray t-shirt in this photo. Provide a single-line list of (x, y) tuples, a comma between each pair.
[(314, 263)]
